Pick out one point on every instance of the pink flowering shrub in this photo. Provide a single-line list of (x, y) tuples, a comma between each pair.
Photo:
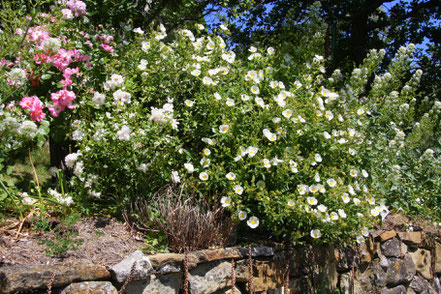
[(49, 60), (54, 63)]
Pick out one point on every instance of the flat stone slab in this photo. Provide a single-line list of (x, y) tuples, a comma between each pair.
[(90, 288), (24, 278)]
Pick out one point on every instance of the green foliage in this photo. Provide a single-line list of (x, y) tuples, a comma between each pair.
[(155, 242), (186, 112), (64, 238)]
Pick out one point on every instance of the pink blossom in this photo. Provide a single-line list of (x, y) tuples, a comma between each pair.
[(35, 107), (77, 7), (38, 34), (66, 83), (106, 38), (85, 58), (67, 14), (36, 110), (56, 109), (26, 102), (107, 47), (89, 44), (61, 99), (65, 57)]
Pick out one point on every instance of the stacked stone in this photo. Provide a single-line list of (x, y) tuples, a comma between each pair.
[(388, 263)]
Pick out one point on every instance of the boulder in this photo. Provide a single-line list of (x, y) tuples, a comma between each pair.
[(400, 271), (391, 248), (422, 260), (229, 290), (420, 285), (210, 277), (143, 269), (267, 275), (156, 284), (90, 288), (25, 278), (363, 281)]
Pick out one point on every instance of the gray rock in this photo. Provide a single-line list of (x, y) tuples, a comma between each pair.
[(384, 262), (156, 284), (437, 285), (420, 285), (400, 271), (262, 251), (27, 278), (142, 271), (90, 288), (375, 274), (397, 290), (391, 248), (210, 277)]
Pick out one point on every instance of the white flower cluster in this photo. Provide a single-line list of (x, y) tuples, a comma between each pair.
[(67, 200), (164, 115), (115, 81), (16, 77)]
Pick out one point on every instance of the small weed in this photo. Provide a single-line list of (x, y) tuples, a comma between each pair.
[(99, 234), (42, 225), (64, 234), (155, 242), (61, 244)]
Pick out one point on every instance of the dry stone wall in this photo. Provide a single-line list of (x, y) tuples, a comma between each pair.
[(389, 262)]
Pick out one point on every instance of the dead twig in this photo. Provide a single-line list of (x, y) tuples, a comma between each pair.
[(49, 284), (35, 173), (129, 278), (22, 222), (186, 271)]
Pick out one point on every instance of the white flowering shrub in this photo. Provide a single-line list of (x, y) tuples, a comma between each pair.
[(286, 154)]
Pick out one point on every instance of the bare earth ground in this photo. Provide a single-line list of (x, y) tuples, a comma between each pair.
[(104, 241)]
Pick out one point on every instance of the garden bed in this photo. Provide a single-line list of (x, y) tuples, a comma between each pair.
[(104, 241)]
